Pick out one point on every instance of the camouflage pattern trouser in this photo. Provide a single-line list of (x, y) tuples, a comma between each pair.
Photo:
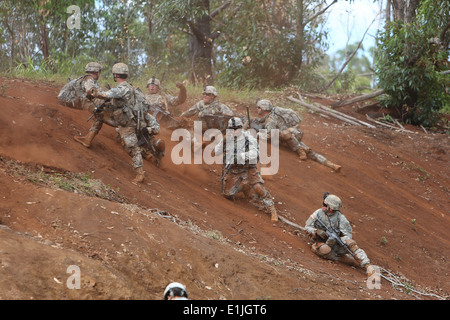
[(249, 181), (129, 140), (105, 116), (292, 137), (337, 252)]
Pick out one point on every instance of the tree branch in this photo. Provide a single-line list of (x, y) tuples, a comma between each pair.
[(220, 9), (319, 13), (348, 60), (357, 99)]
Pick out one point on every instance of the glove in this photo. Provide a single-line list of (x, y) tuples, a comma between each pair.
[(149, 130), (92, 93), (89, 94), (99, 109), (322, 234)]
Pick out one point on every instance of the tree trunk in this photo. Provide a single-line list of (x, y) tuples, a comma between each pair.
[(43, 32), (388, 11), (405, 10), (200, 48), (300, 32)]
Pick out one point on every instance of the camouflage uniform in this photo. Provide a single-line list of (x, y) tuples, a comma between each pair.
[(159, 103), (288, 123), (326, 248), (91, 103), (220, 112), (240, 170), (75, 93), (156, 149), (122, 102)]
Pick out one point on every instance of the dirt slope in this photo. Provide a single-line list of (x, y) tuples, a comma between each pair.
[(63, 205)]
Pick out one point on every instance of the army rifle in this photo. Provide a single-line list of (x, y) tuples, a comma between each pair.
[(98, 109), (218, 121), (332, 234), (225, 172), (145, 139)]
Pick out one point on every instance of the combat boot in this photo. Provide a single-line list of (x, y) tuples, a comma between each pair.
[(333, 166), (140, 175), (302, 153), (86, 140), (273, 213)]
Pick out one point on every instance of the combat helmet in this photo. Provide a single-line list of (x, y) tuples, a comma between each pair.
[(93, 67), (172, 288), (154, 81), (235, 123), (333, 202), (264, 104), (120, 68), (210, 89)]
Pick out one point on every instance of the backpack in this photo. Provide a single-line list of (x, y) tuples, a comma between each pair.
[(140, 107), (72, 94), (289, 116)]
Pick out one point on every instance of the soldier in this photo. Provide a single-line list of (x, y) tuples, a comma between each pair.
[(175, 291), (160, 102), (127, 115), (328, 248), (240, 171), (75, 95), (210, 111), (288, 122)]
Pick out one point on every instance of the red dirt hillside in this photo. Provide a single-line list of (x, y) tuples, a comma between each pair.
[(63, 205)]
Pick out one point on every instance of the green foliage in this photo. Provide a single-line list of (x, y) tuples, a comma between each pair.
[(352, 78), (269, 46), (409, 65), (31, 71)]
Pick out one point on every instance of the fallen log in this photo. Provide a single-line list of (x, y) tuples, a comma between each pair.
[(336, 114), (388, 125), (357, 99)]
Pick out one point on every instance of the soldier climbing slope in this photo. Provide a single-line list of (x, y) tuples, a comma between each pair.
[(159, 102), (130, 116), (240, 174), (210, 111), (75, 94), (332, 234), (288, 122)]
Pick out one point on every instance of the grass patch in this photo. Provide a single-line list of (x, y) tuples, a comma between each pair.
[(81, 183)]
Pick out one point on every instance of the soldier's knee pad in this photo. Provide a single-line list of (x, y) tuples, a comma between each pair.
[(286, 135), (322, 250), (259, 190), (351, 245)]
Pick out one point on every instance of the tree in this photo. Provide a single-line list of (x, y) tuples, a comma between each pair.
[(195, 17), (412, 54), (272, 43)]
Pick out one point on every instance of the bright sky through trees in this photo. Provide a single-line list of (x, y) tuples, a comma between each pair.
[(347, 23)]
